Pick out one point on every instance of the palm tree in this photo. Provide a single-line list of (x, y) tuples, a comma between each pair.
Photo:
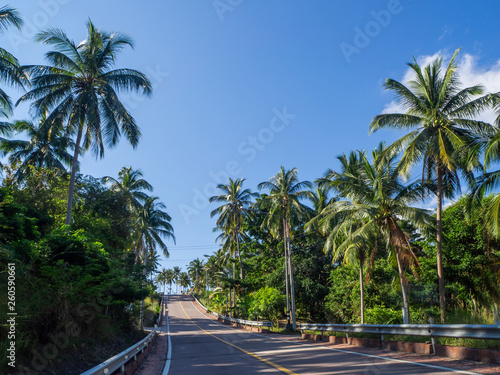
[(184, 280), (153, 225), (153, 263), (177, 274), (319, 197), (440, 117), (378, 202), (80, 88), (130, 185), (47, 147), (233, 213), (284, 211), (162, 278), (357, 248), (195, 272), (489, 181), (169, 278), (10, 71)]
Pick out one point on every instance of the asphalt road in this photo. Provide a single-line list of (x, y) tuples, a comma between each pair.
[(200, 345)]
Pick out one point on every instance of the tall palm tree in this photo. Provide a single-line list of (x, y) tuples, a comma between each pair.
[(130, 185), (153, 225), (284, 211), (233, 212), (319, 197), (153, 263), (80, 87), (184, 280), (10, 72), (358, 248), (195, 272), (378, 200), (176, 276), (440, 118), (169, 278), (162, 278), (46, 146), (489, 181)]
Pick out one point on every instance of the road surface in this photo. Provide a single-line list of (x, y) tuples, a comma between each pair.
[(200, 345)]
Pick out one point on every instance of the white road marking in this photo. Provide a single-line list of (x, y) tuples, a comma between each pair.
[(169, 350)]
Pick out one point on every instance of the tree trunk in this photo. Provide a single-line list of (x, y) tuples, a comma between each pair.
[(361, 256), (138, 250), (143, 283), (234, 288), (439, 242), (239, 259), (286, 274), (292, 291), (403, 286), (74, 165)]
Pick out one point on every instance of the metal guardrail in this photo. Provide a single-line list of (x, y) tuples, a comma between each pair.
[(251, 323), (469, 331), (119, 361)]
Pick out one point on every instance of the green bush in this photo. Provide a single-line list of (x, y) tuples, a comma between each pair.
[(383, 315), (267, 303)]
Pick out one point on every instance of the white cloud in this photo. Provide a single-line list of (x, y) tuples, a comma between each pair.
[(470, 74), (445, 33), (431, 203), (392, 107)]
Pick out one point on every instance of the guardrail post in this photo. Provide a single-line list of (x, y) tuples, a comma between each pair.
[(382, 340), (433, 339), (347, 337)]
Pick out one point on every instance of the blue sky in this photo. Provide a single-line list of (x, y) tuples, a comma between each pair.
[(244, 86)]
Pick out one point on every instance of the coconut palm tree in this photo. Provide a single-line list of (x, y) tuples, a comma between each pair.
[(358, 248), (153, 263), (10, 72), (81, 88), (162, 278), (184, 281), (489, 181), (284, 212), (130, 185), (169, 278), (195, 272), (378, 200), (440, 118), (233, 213), (177, 274), (153, 225), (46, 147), (319, 197)]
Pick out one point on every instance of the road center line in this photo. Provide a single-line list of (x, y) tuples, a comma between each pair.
[(272, 364)]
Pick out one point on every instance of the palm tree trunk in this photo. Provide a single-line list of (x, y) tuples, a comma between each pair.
[(403, 286), (143, 283), (74, 165), (439, 236), (138, 250), (286, 275), (234, 288), (292, 290), (361, 256), (239, 259)]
